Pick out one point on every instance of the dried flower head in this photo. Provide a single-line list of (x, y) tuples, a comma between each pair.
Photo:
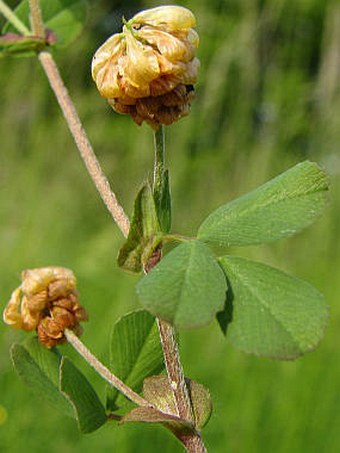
[(46, 301), (149, 70)]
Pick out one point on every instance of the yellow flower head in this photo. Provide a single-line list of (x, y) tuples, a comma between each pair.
[(46, 301), (148, 71)]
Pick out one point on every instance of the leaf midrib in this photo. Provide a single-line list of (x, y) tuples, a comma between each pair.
[(267, 307), (229, 214)]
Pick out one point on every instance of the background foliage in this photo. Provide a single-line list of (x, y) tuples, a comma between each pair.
[(268, 97)]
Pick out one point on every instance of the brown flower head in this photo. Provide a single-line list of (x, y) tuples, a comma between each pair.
[(46, 301), (149, 70)]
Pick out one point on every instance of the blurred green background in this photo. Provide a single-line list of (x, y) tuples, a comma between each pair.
[(268, 97)]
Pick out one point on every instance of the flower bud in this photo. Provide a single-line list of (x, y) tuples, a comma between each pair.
[(151, 63), (46, 301)]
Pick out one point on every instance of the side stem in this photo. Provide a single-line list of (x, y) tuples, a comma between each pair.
[(82, 142), (13, 19), (103, 371)]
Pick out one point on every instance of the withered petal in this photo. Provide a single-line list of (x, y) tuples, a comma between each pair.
[(11, 314), (109, 52), (37, 302), (141, 65), (168, 17), (30, 319), (156, 55), (35, 280), (167, 44)]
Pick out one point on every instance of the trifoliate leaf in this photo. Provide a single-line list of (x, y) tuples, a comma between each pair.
[(186, 288)]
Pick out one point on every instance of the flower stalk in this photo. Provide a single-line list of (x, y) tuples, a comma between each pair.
[(85, 149), (113, 380), (159, 165), (193, 442)]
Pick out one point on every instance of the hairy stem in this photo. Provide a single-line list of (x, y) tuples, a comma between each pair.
[(192, 442), (13, 19), (82, 142), (36, 18), (174, 369), (103, 371)]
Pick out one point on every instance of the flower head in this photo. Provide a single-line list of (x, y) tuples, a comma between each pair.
[(148, 71), (46, 301)]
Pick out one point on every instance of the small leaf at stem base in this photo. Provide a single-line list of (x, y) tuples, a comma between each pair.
[(151, 415), (145, 235), (163, 203), (14, 45), (158, 391)]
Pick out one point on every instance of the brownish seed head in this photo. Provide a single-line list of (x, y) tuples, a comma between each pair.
[(46, 301)]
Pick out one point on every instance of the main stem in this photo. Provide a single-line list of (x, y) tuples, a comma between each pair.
[(36, 18), (193, 442)]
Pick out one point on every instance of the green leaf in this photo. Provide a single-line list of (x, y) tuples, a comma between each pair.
[(38, 367), (89, 410), (157, 390), (55, 378), (135, 353), (64, 17), (144, 235), (277, 209), (13, 44), (273, 314), (163, 203), (201, 403), (187, 288)]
